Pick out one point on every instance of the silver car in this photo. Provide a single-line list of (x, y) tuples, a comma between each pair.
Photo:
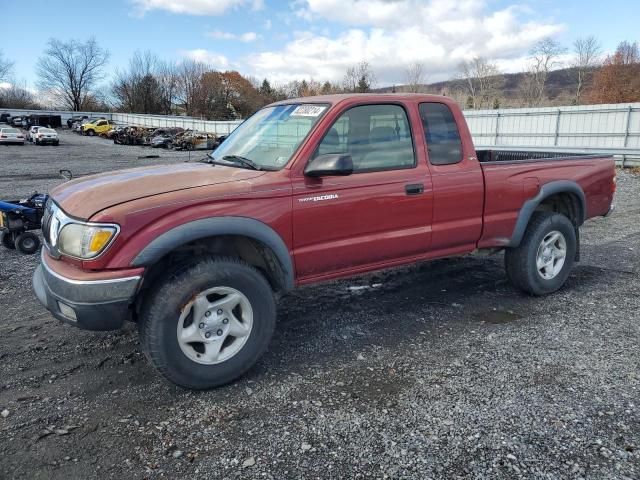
[(10, 135)]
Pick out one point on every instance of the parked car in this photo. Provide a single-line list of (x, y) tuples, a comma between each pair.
[(76, 118), (31, 133), (17, 121), (304, 191), (10, 135), (47, 136), (4, 117), (97, 127), (164, 137)]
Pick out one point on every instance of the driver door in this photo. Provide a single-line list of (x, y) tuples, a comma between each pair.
[(380, 213)]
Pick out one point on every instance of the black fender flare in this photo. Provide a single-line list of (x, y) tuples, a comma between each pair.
[(210, 227), (547, 190)]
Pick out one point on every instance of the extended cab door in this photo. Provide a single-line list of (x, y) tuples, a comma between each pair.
[(458, 183), (379, 213)]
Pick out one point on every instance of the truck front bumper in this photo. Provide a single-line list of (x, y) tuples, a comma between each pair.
[(88, 303)]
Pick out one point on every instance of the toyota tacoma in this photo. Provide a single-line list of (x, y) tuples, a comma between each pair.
[(304, 191)]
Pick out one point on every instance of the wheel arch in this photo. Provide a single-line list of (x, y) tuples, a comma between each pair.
[(246, 238), (563, 196)]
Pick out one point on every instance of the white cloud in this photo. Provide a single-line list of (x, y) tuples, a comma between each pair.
[(392, 34), (215, 60), (5, 85), (196, 7), (244, 37)]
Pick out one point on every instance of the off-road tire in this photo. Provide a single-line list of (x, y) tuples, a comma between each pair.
[(161, 311), (520, 262), (7, 240), (91, 133), (27, 243)]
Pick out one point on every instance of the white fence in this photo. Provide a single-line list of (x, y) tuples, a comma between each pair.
[(219, 128), (604, 129)]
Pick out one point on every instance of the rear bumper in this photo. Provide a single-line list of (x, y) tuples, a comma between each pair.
[(11, 140), (87, 304)]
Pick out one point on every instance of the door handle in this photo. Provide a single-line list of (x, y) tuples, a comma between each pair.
[(414, 189)]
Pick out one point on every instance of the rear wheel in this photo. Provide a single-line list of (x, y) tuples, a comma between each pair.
[(208, 322), (6, 237), (542, 262)]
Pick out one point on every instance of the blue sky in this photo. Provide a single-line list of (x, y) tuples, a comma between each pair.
[(285, 40)]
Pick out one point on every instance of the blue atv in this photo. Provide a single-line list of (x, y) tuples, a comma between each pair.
[(18, 219)]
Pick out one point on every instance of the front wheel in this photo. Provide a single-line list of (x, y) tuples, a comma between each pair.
[(542, 262), (91, 133), (208, 322), (27, 243)]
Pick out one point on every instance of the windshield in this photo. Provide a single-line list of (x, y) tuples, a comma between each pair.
[(271, 136)]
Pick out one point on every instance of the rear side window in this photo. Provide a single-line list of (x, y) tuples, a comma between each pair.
[(441, 132)]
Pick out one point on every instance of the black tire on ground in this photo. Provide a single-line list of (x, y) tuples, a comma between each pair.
[(91, 133), (520, 262), (6, 238), (161, 311), (27, 243), (55, 144), (37, 142)]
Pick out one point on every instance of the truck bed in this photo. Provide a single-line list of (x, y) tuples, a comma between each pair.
[(511, 178)]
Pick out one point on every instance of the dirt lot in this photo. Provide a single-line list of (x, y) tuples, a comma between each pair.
[(440, 370)]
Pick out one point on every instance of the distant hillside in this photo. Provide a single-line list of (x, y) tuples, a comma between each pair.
[(560, 88)]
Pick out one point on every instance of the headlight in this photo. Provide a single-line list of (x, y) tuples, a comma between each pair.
[(85, 240)]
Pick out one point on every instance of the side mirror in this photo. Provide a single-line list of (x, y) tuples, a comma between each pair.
[(333, 164)]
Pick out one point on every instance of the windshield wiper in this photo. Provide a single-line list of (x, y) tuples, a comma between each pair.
[(244, 161), (236, 160)]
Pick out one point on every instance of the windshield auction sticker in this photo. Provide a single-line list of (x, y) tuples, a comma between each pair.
[(308, 110)]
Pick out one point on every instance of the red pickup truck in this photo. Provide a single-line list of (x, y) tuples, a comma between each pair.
[(304, 191)]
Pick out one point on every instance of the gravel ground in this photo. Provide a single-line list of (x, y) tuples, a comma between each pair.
[(439, 370)]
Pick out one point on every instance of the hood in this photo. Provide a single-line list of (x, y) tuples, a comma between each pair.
[(85, 196)]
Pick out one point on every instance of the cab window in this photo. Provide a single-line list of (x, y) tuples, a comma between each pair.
[(377, 137), (441, 134)]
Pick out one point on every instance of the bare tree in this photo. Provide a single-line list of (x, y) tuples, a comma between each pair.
[(545, 57), (168, 82), (5, 67), (189, 78), (149, 85), (587, 52), (415, 77), (482, 81), (17, 96), (359, 78), (69, 71)]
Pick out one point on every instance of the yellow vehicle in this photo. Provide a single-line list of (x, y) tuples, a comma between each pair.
[(97, 127)]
